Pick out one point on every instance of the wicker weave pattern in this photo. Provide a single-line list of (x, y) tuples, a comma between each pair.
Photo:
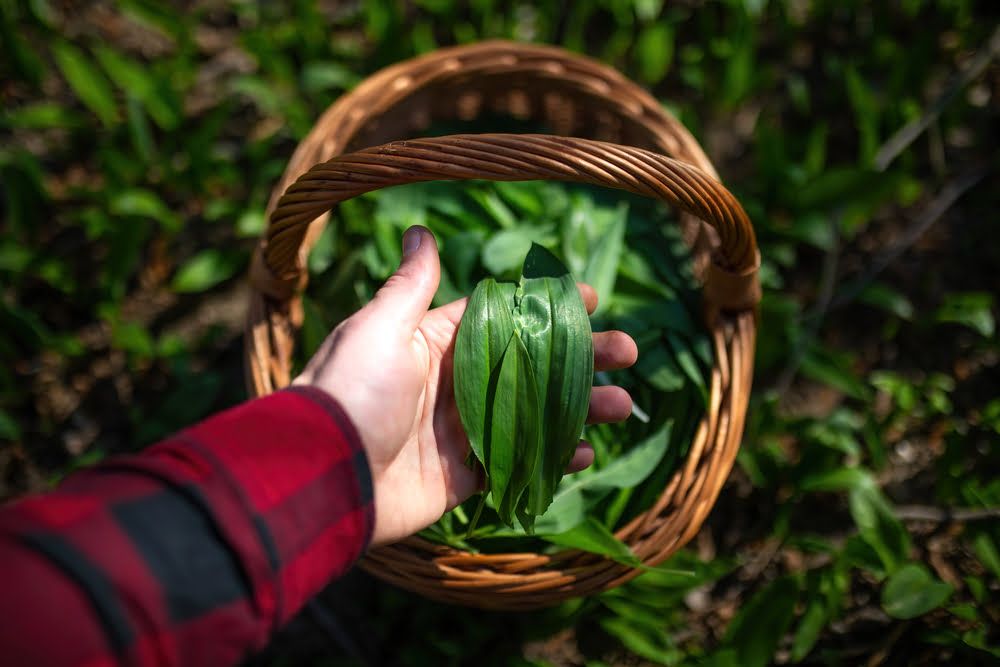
[(574, 96)]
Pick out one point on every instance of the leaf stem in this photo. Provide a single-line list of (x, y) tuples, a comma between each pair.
[(479, 511)]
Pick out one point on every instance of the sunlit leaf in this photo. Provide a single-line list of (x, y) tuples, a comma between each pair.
[(553, 322), (879, 526), (86, 81), (970, 309), (655, 50), (888, 299), (206, 269), (482, 338), (147, 204), (912, 591), (593, 536)]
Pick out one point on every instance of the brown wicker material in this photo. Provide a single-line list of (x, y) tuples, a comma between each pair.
[(576, 97)]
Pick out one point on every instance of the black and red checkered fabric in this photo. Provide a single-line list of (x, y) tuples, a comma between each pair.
[(192, 552)]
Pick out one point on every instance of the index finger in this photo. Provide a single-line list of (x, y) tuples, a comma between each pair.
[(589, 295)]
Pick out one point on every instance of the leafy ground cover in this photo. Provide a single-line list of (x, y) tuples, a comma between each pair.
[(860, 526)]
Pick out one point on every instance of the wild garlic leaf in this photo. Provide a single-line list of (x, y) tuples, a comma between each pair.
[(514, 430), (593, 536), (483, 336), (553, 323), (605, 256)]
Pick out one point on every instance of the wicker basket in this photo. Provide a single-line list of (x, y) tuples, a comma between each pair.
[(576, 97)]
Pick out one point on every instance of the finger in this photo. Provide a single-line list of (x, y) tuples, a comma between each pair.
[(589, 295), (464, 482), (609, 404), (582, 458), (614, 350), (405, 297), (452, 311)]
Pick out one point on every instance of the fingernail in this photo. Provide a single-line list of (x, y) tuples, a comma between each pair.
[(411, 241)]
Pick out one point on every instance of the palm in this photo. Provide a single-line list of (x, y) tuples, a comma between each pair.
[(427, 475)]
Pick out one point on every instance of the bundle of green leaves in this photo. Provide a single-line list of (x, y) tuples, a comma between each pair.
[(524, 364), (628, 248)]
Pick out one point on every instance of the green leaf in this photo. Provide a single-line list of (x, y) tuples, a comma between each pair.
[(840, 479), (813, 620), (252, 224), (567, 511), (505, 250), (657, 366), (815, 229), (40, 116), (532, 198), (833, 187), (688, 364), (552, 320), (322, 76), (593, 536), (888, 299), (970, 309), (511, 451), (655, 50), (824, 596), (858, 553), (602, 264), (760, 625), (460, 257), (878, 526), (206, 269), (9, 430), (403, 206), (86, 81), (912, 591), (987, 553), (644, 641), (136, 80), (833, 368), (629, 469), (147, 204), (495, 207), (579, 491), (483, 335), (133, 338)]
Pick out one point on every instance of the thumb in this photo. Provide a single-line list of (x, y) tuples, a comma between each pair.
[(407, 294)]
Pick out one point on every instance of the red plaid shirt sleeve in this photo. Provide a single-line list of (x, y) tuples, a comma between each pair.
[(192, 552)]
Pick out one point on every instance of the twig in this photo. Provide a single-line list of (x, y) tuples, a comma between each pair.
[(882, 653), (944, 200), (946, 514), (906, 135), (755, 567)]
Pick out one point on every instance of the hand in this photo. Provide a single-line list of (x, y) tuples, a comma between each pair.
[(390, 367)]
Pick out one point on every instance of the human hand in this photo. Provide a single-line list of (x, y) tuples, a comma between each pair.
[(390, 367)]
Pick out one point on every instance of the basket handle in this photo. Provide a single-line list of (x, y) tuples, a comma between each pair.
[(731, 281)]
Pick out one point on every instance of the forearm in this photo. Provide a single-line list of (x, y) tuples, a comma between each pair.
[(194, 551)]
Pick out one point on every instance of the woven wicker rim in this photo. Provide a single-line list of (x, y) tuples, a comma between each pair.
[(631, 135)]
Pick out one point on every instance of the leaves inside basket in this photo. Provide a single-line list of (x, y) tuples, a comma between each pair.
[(646, 289)]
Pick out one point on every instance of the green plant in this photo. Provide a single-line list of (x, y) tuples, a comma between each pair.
[(524, 360)]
